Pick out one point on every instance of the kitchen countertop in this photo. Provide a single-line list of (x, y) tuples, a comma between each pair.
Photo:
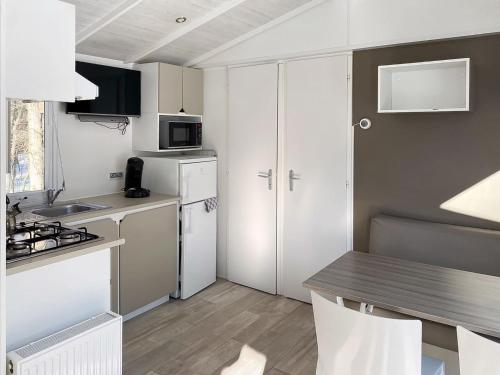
[(118, 205), (63, 254)]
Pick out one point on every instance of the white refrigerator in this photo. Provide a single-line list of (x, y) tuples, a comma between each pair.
[(194, 179)]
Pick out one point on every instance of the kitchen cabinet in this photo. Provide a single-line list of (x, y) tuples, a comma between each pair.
[(40, 55), (148, 259), (109, 229), (47, 299), (167, 88), (288, 212), (430, 86)]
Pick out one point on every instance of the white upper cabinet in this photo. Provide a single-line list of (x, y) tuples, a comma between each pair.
[(430, 86), (40, 58)]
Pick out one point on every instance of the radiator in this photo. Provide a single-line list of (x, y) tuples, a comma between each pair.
[(92, 347)]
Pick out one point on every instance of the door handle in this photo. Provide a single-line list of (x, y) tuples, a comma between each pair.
[(291, 177), (269, 176)]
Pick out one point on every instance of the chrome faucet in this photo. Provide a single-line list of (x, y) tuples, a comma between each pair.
[(52, 195)]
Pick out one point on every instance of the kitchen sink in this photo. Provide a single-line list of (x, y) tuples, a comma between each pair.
[(68, 209)]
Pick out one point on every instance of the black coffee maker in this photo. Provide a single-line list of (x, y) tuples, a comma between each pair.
[(133, 179)]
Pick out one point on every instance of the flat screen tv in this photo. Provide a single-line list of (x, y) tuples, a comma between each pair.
[(119, 91)]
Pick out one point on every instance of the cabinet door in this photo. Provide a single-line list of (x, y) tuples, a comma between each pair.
[(199, 181), (199, 243), (170, 89), (193, 91), (252, 153), (40, 55), (148, 259), (315, 214), (108, 229)]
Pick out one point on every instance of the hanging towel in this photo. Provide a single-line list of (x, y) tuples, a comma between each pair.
[(211, 204)]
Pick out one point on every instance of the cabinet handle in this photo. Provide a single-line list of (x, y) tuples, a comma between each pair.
[(269, 176), (291, 177)]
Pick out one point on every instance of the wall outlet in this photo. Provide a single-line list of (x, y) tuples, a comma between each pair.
[(113, 175)]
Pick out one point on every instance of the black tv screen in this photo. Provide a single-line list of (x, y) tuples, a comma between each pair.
[(119, 91)]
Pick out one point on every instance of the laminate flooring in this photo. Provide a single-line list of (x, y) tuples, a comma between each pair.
[(205, 333)]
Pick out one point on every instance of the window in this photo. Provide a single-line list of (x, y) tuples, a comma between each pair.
[(26, 149)]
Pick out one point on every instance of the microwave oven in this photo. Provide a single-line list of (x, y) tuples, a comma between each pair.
[(180, 132)]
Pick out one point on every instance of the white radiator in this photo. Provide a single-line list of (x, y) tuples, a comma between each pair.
[(92, 347)]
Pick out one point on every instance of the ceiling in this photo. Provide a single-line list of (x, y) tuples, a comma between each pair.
[(146, 30)]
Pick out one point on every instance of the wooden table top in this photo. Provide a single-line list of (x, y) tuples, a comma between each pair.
[(443, 295)]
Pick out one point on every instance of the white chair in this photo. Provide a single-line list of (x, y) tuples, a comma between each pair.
[(250, 362), (477, 355), (352, 343)]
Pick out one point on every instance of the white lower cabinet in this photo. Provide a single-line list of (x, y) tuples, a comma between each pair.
[(47, 299), (288, 172)]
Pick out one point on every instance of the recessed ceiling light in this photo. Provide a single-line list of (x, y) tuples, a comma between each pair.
[(181, 19)]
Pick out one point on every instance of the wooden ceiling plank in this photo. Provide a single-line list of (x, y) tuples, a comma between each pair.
[(183, 30), (117, 12), (251, 34)]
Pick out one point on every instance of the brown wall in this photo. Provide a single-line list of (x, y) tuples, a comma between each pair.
[(408, 164)]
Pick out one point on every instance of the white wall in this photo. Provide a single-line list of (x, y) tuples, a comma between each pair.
[(340, 25), (214, 138), (89, 153), (318, 29)]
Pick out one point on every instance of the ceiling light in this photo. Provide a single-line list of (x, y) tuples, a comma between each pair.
[(181, 19)]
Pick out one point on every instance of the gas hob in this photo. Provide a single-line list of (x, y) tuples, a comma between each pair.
[(34, 239)]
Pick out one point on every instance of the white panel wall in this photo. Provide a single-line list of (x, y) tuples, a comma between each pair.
[(89, 153), (320, 28), (341, 25), (214, 138), (383, 22)]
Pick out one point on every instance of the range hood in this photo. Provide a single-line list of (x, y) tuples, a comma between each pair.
[(84, 89)]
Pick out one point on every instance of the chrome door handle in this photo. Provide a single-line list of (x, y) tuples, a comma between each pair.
[(291, 177), (269, 176)]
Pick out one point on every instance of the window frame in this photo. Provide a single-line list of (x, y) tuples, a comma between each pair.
[(40, 197)]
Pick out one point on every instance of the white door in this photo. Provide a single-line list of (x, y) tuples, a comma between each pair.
[(315, 215), (252, 161), (198, 181), (198, 252)]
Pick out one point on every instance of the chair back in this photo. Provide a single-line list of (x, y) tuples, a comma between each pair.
[(250, 362), (352, 343), (477, 355)]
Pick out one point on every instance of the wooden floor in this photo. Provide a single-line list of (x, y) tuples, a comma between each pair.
[(205, 333)]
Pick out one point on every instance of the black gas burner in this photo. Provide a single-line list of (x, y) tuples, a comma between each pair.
[(40, 238)]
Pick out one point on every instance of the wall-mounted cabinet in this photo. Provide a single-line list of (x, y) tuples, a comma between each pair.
[(431, 86), (165, 90), (40, 55), (169, 88)]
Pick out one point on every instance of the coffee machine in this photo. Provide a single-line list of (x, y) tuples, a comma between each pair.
[(133, 179)]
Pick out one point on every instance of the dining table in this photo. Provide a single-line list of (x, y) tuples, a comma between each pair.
[(439, 295)]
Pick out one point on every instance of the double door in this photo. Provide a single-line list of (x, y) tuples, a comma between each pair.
[(288, 153)]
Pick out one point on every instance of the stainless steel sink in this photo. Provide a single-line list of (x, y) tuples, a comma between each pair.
[(68, 209)]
